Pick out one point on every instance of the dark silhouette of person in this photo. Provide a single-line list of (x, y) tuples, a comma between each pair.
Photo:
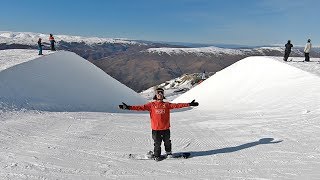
[(40, 46), (287, 50)]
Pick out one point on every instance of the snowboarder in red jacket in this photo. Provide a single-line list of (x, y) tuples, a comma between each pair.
[(160, 120), (52, 41)]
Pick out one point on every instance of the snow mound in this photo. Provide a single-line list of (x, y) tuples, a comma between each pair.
[(257, 84), (63, 81)]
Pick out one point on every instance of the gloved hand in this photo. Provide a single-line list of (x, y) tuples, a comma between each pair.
[(124, 106), (193, 103)]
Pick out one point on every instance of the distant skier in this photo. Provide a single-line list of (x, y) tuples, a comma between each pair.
[(203, 77), (287, 50), (307, 50), (160, 120), (52, 41), (40, 47)]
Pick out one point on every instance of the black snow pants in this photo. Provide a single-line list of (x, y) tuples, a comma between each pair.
[(52, 48), (286, 55), (158, 136), (307, 57)]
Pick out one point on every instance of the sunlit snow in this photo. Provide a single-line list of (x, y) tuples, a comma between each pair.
[(257, 119)]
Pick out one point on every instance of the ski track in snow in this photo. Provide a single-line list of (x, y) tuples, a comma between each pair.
[(223, 145)]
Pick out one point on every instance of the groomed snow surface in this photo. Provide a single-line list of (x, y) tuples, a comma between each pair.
[(257, 119)]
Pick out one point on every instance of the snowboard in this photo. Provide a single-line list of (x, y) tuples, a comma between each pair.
[(150, 156)]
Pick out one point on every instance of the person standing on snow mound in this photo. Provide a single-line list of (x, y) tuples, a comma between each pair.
[(52, 41), (160, 120), (40, 46), (307, 50), (287, 50)]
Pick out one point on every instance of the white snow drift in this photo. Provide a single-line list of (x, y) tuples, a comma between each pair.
[(255, 84), (62, 81)]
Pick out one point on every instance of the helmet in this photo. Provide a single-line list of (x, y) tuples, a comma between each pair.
[(158, 91)]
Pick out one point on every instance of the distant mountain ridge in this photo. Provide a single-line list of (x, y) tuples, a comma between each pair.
[(30, 38), (142, 64), (90, 48)]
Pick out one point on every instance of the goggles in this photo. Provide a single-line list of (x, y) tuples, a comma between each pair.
[(160, 92)]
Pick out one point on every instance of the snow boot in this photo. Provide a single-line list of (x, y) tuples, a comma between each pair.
[(150, 155), (169, 155), (157, 158)]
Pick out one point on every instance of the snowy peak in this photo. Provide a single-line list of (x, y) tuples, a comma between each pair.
[(62, 81), (202, 51), (30, 38), (199, 51)]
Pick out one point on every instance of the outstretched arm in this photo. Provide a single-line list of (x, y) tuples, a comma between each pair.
[(194, 103), (182, 105), (145, 107), (124, 106)]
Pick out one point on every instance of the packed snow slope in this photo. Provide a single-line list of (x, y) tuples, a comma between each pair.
[(62, 81), (241, 141), (257, 84)]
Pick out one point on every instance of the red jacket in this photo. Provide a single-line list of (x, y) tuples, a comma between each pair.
[(159, 113)]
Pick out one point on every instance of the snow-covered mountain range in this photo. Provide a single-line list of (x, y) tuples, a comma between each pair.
[(31, 38), (204, 51), (130, 61)]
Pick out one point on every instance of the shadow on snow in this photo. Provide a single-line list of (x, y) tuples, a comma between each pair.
[(235, 148)]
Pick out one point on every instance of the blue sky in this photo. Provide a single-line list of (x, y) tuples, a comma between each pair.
[(245, 22)]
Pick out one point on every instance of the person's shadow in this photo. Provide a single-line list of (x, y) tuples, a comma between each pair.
[(233, 149)]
